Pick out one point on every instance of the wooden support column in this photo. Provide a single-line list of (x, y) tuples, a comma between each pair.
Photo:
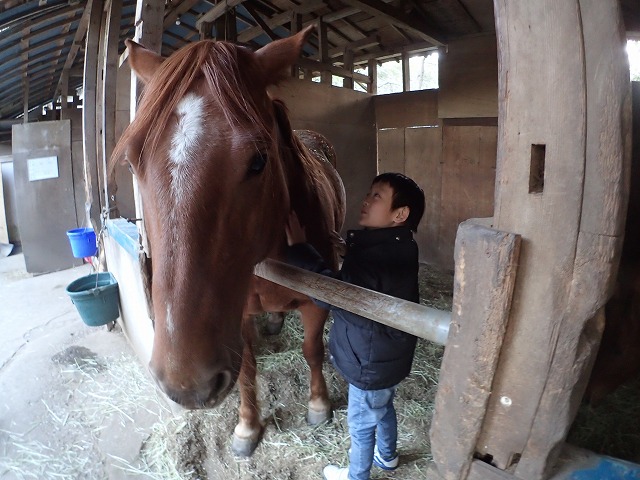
[(89, 127), (226, 28), (562, 184), (575, 336), (296, 26), (486, 261), (323, 52), (108, 120), (373, 77), (64, 91), (205, 31), (149, 28), (24, 47), (347, 82), (406, 73)]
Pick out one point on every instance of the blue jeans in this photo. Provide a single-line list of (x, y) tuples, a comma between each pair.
[(368, 411)]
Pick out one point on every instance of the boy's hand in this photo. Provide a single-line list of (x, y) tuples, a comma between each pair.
[(295, 231)]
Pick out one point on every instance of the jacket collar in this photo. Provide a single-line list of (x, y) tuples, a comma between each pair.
[(374, 236)]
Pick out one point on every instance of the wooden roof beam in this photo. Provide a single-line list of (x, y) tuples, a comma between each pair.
[(217, 11), (398, 18), (316, 66), (42, 20), (279, 20), (361, 44), (173, 14), (259, 20)]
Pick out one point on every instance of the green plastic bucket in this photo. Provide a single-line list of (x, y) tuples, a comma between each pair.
[(96, 298)]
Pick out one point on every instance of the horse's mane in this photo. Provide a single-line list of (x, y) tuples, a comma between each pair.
[(230, 75)]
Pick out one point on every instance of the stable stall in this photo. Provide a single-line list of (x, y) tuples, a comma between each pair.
[(524, 153)]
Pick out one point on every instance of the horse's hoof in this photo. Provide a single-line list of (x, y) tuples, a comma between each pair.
[(243, 447), (316, 417)]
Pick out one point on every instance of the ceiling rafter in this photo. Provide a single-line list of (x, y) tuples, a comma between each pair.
[(40, 20), (398, 18), (75, 47)]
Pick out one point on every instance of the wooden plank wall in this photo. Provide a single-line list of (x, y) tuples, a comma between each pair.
[(446, 140), (346, 118)]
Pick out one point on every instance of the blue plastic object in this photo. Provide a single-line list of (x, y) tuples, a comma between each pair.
[(96, 298), (83, 242)]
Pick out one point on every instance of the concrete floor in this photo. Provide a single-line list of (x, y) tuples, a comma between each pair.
[(54, 370)]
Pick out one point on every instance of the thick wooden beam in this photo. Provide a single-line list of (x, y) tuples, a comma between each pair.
[(75, 47), (335, 70), (90, 146), (485, 274), (280, 19), (398, 18), (109, 96), (323, 52), (560, 183), (259, 20), (149, 28), (174, 13), (217, 11), (603, 209)]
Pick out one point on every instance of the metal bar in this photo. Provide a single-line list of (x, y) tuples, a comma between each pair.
[(419, 320)]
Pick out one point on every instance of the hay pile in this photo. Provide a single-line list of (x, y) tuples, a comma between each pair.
[(199, 442), (103, 392), (73, 437)]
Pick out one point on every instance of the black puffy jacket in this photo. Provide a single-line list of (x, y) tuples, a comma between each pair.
[(368, 354)]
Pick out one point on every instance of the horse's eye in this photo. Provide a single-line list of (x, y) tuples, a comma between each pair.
[(258, 163)]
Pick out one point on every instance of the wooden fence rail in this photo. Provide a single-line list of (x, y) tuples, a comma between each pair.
[(419, 320)]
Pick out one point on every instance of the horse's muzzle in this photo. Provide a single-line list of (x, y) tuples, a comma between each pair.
[(207, 394)]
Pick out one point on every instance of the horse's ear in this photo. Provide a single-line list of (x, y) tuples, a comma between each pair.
[(142, 61), (276, 56)]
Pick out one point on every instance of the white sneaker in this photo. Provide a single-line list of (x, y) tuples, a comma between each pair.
[(333, 472), (391, 464)]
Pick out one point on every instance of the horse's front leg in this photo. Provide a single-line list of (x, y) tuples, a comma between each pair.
[(313, 320), (247, 433)]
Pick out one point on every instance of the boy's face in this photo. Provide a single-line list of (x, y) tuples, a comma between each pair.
[(376, 211)]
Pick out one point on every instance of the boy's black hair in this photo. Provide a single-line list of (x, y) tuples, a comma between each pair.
[(406, 193)]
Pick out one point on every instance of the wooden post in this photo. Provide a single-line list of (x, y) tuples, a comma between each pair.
[(347, 56), (373, 77), (64, 91), (323, 52), (89, 127), (561, 184), (149, 27), (406, 73), (108, 119), (485, 275)]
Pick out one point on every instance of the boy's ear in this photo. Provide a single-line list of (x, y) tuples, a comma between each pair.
[(402, 214)]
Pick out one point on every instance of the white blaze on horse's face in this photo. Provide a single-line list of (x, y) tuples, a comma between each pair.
[(189, 128)]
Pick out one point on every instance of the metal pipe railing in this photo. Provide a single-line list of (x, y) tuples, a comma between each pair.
[(419, 320)]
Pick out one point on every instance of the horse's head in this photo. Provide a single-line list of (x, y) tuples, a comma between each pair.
[(204, 149)]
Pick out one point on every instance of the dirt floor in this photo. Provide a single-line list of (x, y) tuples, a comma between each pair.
[(77, 404)]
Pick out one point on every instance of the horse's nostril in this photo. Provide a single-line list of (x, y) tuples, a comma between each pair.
[(219, 383)]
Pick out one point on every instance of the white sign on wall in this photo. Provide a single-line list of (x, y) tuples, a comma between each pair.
[(42, 168)]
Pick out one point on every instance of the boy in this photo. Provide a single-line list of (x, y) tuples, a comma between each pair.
[(372, 357)]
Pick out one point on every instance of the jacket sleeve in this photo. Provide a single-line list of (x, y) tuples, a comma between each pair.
[(303, 255)]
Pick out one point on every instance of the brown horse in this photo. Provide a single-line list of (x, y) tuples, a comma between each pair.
[(219, 168)]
